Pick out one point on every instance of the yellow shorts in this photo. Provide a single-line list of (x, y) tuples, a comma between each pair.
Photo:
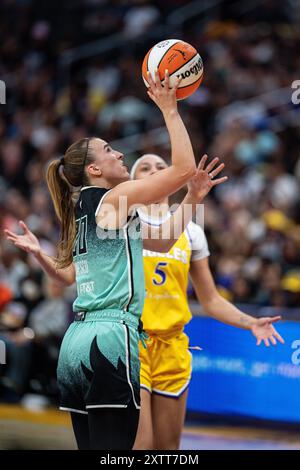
[(166, 365)]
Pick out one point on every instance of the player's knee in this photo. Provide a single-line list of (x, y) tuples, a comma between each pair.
[(169, 441), (143, 442)]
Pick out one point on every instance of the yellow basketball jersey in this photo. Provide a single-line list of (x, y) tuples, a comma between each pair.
[(166, 306)]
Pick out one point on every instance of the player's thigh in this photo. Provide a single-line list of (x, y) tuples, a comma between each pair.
[(113, 428), (168, 416), (80, 426), (144, 437)]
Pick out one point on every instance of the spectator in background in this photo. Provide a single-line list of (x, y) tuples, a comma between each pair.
[(140, 18), (33, 340)]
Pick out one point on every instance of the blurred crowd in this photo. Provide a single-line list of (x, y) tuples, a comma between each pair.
[(242, 112)]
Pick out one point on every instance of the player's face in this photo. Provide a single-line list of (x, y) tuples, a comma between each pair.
[(150, 165), (110, 162)]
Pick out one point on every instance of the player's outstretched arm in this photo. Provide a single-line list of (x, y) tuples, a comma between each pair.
[(219, 308), (30, 243)]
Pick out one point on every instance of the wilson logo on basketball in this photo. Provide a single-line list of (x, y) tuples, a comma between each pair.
[(194, 70)]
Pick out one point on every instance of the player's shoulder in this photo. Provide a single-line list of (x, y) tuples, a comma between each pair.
[(195, 231), (89, 199), (91, 192), (198, 241)]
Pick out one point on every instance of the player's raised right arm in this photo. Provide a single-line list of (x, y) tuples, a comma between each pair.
[(183, 166)]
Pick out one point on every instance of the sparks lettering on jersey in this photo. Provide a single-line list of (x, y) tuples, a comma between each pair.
[(166, 295)]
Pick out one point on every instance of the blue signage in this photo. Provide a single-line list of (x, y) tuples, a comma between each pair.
[(233, 376)]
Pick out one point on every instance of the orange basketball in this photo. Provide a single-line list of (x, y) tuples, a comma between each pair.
[(180, 59)]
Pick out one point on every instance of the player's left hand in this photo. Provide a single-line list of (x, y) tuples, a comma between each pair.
[(203, 180), (263, 330)]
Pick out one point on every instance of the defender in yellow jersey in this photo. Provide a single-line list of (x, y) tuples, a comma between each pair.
[(166, 363), (166, 280)]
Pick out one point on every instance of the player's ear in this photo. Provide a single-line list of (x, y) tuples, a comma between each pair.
[(94, 170)]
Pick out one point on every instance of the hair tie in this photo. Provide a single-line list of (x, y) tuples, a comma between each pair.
[(62, 161), (73, 189), (84, 159), (61, 171)]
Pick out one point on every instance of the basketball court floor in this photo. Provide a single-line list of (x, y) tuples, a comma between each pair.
[(22, 428)]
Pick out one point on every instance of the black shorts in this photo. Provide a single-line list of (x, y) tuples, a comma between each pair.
[(99, 366)]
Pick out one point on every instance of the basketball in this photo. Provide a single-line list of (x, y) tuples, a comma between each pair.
[(180, 59)]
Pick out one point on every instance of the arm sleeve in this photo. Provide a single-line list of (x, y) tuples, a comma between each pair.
[(199, 245)]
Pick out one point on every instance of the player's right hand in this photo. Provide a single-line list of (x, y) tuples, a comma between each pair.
[(162, 95)]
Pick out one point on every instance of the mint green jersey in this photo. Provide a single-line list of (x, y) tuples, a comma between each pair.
[(108, 263)]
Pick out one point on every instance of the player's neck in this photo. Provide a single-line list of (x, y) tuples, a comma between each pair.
[(100, 183)]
